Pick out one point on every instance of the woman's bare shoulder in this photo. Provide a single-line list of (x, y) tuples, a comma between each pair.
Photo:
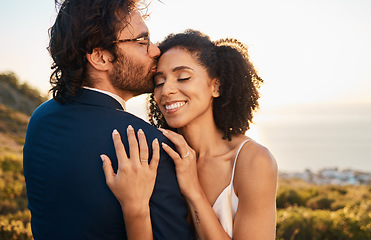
[(254, 155), (255, 163)]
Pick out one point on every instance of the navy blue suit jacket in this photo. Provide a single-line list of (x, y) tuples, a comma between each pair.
[(67, 193)]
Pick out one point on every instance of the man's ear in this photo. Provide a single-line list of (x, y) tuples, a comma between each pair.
[(100, 59), (215, 87)]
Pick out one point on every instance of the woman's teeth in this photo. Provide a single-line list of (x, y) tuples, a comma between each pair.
[(174, 105)]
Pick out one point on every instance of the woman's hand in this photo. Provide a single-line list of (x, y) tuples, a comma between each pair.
[(185, 164), (134, 181)]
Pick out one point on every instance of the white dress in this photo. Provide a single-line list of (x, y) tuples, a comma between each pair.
[(226, 204)]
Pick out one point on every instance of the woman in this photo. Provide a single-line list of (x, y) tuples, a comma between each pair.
[(206, 93)]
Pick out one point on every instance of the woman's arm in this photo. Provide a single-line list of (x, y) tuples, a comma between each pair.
[(134, 181), (255, 185), (205, 221)]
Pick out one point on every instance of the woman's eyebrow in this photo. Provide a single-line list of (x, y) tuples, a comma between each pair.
[(181, 68), (158, 74), (174, 70)]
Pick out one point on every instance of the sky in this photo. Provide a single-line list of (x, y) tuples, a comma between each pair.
[(305, 50), (309, 53)]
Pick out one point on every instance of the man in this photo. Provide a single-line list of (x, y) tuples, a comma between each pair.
[(102, 57)]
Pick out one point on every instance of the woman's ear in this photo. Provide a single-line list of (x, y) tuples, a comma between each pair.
[(100, 59), (215, 87)]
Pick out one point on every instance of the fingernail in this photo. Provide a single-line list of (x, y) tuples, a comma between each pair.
[(115, 132), (163, 130), (156, 140), (102, 157), (130, 127), (140, 131), (164, 144)]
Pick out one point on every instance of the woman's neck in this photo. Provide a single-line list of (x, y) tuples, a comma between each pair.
[(204, 138)]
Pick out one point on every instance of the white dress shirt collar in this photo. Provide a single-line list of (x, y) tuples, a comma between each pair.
[(117, 98)]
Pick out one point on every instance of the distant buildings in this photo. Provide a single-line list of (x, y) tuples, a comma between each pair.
[(332, 176)]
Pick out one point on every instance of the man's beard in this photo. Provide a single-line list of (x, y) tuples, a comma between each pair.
[(131, 76)]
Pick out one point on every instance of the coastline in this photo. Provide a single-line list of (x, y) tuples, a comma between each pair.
[(330, 176)]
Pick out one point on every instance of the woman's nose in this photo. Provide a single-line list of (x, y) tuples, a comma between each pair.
[(169, 88)]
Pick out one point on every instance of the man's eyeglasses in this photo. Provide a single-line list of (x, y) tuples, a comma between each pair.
[(140, 40)]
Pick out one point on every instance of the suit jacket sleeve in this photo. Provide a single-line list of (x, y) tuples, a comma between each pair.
[(168, 207)]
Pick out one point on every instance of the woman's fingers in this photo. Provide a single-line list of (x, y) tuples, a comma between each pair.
[(119, 147), (186, 170), (134, 182), (139, 152), (172, 153), (155, 155), (107, 169), (178, 141), (133, 144), (143, 152)]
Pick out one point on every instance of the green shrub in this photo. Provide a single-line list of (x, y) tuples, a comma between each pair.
[(320, 202), (338, 204), (11, 163), (16, 230), (19, 96), (342, 190), (291, 196), (306, 224), (16, 226), (335, 212)]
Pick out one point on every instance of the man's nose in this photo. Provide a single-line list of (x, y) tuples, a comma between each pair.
[(153, 51)]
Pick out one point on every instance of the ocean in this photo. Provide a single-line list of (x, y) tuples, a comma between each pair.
[(309, 136), (316, 136)]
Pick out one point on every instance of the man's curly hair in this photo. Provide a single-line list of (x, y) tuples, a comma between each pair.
[(228, 61), (81, 26)]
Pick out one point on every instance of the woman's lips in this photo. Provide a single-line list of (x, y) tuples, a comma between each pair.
[(174, 106)]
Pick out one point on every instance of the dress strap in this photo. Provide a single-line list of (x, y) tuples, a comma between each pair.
[(235, 160)]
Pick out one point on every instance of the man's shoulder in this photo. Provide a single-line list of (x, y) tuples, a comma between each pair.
[(139, 123), (52, 111), (44, 108)]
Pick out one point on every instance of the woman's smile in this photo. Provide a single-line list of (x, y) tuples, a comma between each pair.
[(174, 106)]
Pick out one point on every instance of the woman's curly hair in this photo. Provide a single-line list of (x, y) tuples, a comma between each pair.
[(228, 61), (81, 26)]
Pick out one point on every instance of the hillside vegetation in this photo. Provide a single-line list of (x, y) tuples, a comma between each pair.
[(307, 211), (304, 211), (20, 97), (13, 125), (17, 102)]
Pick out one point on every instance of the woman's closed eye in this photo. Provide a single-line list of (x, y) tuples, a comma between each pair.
[(159, 83), (159, 80), (183, 78)]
